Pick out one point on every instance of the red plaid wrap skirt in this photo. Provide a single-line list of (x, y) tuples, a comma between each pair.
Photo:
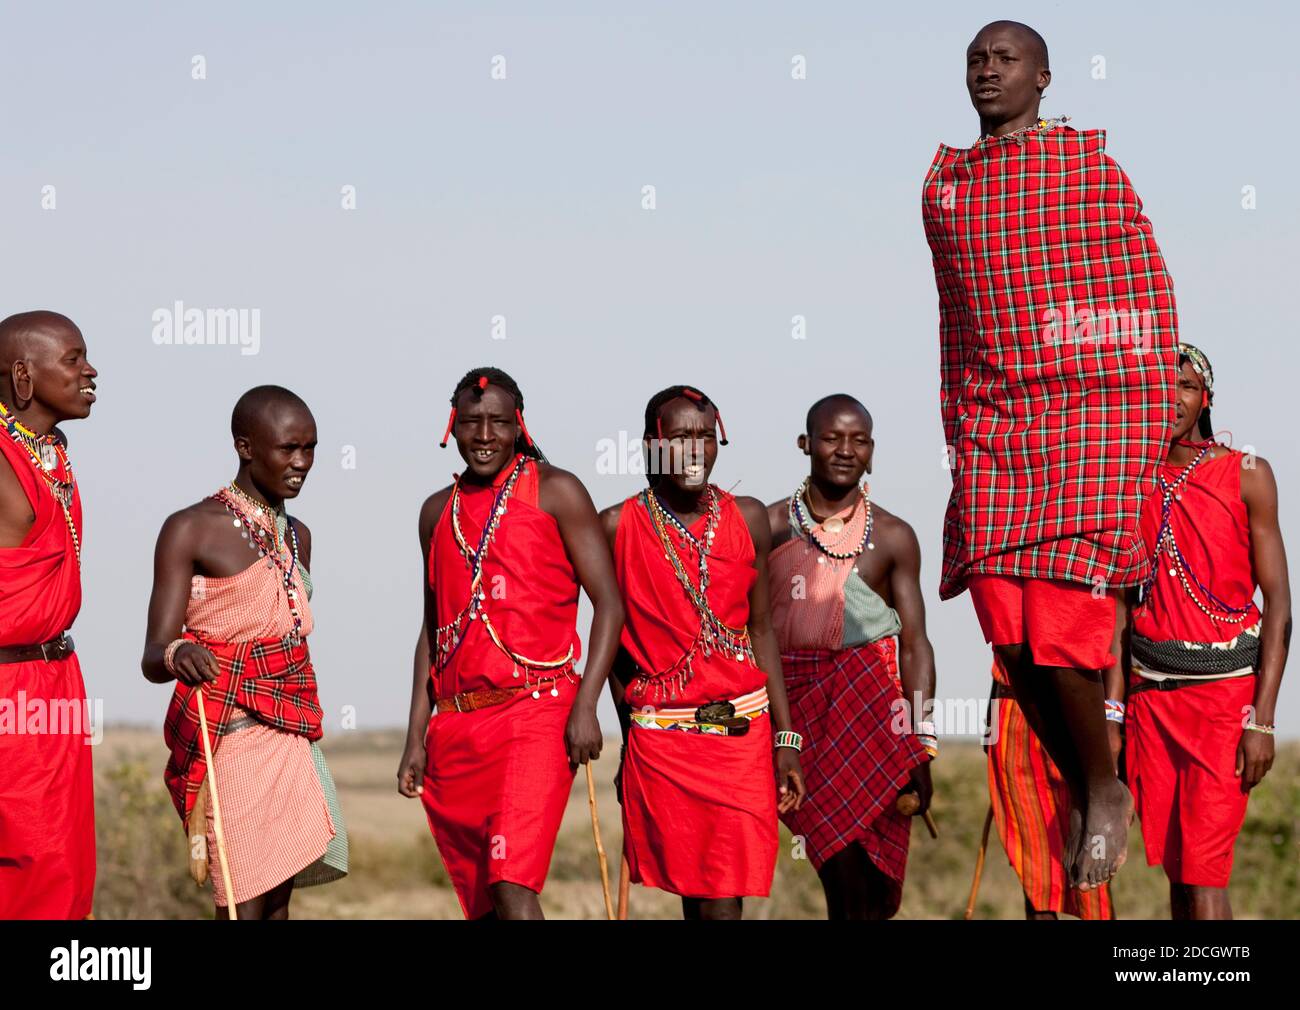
[(846, 706)]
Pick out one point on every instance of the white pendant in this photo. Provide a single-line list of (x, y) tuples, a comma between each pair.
[(833, 525), (48, 457)]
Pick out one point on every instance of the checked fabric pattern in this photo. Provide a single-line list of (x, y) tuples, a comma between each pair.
[(268, 678), (1058, 337)]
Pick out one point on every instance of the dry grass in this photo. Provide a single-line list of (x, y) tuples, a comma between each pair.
[(396, 872)]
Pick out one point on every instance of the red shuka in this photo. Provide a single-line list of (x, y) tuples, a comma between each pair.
[(1213, 533), (497, 780), (47, 814), (699, 812)]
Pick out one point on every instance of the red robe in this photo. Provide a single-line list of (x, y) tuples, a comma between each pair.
[(497, 779), (47, 814), (699, 811)]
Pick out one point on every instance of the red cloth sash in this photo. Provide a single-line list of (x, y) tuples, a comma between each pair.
[(1058, 334), (269, 678), (532, 590), (661, 623), (1213, 532), (47, 817)]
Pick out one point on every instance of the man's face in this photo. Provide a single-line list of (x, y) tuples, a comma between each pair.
[(690, 444), (283, 450), (62, 378), (1002, 74), (486, 431), (1187, 401), (839, 446)]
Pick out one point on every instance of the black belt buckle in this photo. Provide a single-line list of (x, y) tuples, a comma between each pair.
[(62, 646), (722, 713)]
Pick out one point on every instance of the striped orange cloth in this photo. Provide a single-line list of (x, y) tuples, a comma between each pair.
[(1030, 802)]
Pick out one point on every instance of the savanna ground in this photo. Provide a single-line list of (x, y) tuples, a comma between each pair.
[(396, 873)]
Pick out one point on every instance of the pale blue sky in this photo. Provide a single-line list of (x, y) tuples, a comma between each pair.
[(522, 197)]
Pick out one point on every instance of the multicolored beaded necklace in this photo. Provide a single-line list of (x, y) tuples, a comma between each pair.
[(244, 507), (1167, 545), (449, 636), (714, 634), (47, 455), (801, 516), (1041, 125)]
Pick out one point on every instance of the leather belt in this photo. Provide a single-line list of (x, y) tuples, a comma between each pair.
[(1001, 690), (472, 701), (55, 648), (1174, 683)]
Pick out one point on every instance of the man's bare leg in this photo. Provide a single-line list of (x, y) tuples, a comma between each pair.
[(1208, 902), (1033, 913), (514, 901), (1108, 806), (711, 908), (855, 887), (1180, 907), (277, 901)]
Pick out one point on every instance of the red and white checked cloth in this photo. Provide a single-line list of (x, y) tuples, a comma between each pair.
[(1058, 340)]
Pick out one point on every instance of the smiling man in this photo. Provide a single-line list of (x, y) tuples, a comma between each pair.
[(230, 628), (47, 816), (850, 621), (709, 722), (1057, 354), (500, 719)]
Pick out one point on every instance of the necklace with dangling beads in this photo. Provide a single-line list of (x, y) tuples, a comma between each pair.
[(233, 497), (1166, 544), (801, 516), (45, 453), (714, 634), (448, 637)]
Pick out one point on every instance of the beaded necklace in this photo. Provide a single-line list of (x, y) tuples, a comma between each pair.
[(240, 504), (803, 519), (714, 634), (46, 454), (449, 636), (1166, 544)]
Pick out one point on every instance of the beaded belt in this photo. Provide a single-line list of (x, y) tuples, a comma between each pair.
[(747, 707), (1199, 658)]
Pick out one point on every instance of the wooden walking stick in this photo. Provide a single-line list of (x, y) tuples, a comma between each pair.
[(600, 848), (979, 865), (908, 804), (624, 885), (216, 811)]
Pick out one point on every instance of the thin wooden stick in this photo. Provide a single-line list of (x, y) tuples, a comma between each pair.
[(600, 848), (624, 886), (979, 865), (908, 804), (216, 811)]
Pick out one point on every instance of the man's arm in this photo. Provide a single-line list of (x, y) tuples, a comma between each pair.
[(915, 654), (762, 637), (1115, 677), (1268, 557), (16, 515), (410, 773), (564, 497), (173, 568)]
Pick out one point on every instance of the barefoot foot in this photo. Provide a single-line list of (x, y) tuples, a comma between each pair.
[(1104, 845)]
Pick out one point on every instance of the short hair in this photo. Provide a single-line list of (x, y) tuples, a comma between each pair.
[(834, 398), (1036, 41), (253, 405)]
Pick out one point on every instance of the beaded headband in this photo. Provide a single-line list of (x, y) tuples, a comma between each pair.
[(1200, 365)]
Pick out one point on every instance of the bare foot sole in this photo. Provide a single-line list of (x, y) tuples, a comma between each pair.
[(1104, 847)]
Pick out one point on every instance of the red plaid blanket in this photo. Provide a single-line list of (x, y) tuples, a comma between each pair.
[(1058, 351), (853, 762), (269, 678)]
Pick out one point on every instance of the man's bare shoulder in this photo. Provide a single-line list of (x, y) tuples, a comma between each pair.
[(892, 532)]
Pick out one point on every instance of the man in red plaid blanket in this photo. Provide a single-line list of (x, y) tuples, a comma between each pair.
[(1057, 359), (845, 591), (228, 624)]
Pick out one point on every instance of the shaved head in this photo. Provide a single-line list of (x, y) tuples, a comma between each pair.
[(26, 332), (254, 409), (1034, 42), (828, 405)]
